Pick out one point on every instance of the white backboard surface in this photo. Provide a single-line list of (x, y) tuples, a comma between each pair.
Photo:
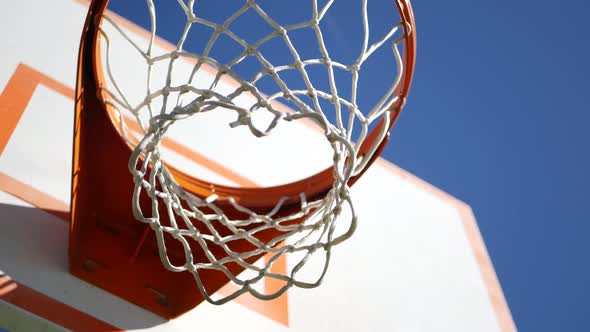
[(416, 262)]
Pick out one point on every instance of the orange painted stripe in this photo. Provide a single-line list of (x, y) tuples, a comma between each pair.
[(34, 197), (486, 268), (6, 285), (17, 94), (196, 157), (19, 91), (277, 309), (200, 159), (30, 299), (50, 309)]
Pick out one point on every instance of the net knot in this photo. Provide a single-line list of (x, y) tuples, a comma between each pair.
[(220, 29), (263, 103), (223, 70), (251, 50)]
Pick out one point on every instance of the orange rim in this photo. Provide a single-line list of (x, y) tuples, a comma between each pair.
[(315, 186)]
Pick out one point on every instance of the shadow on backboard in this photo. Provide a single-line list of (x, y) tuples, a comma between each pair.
[(34, 262)]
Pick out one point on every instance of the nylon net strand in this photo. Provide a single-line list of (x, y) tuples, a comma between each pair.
[(192, 222)]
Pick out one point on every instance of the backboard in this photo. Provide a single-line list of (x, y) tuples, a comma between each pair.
[(424, 264)]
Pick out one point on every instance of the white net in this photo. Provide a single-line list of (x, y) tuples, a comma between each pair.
[(217, 233)]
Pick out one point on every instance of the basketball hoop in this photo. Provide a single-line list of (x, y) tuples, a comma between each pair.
[(219, 233)]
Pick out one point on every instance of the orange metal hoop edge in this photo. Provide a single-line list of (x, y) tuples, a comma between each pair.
[(106, 246)]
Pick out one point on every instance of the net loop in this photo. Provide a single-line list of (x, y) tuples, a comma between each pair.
[(227, 235)]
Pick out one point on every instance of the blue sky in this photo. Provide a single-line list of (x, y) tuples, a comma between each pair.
[(498, 116)]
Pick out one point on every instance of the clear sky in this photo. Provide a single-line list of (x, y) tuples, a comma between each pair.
[(498, 116)]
